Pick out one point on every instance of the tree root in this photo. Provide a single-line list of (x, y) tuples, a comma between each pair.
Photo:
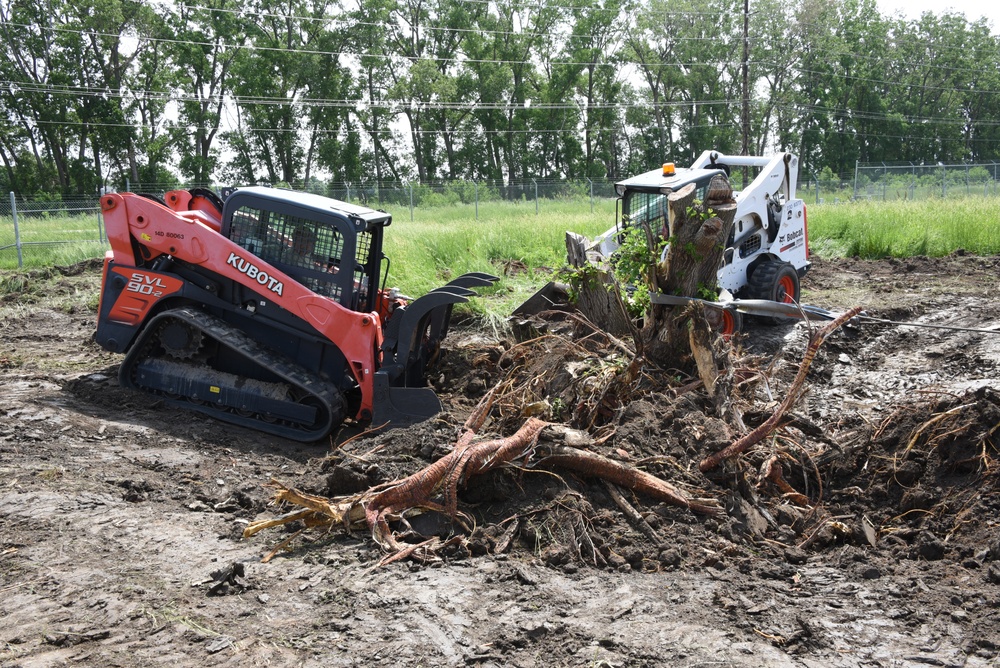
[(794, 393), (591, 464), (435, 488)]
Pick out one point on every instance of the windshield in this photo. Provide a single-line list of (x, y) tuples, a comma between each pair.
[(650, 207), (647, 209)]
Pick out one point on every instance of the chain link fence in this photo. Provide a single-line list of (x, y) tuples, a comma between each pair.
[(41, 233), (412, 195), (36, 233), (909, 181)]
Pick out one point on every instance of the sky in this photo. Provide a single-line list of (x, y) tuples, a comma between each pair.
[(973, 9)]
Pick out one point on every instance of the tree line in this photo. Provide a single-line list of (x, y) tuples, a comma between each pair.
[(100, 92)]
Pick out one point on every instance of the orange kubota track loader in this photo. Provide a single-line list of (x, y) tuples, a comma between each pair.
[(266, 310)]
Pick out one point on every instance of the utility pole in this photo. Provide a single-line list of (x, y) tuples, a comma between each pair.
[(745, 116)]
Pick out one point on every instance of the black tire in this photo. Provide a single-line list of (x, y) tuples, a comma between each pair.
[(775, 281), (732, 323)]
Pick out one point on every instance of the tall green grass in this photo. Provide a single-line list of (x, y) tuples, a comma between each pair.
[(932, 227), (50, 240), (508, 240)]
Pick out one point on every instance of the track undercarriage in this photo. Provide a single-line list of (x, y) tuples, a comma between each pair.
[(195, 360)]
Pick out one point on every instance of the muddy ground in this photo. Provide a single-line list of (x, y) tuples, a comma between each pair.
[(121, 519)]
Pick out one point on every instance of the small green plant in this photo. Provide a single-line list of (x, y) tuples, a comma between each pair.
[(690, 249), (632, 260), (558, 406), (577, 278), (708, 292), (634, 263)]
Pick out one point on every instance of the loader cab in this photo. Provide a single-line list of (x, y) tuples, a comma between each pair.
[(333, 248), (642, 200)]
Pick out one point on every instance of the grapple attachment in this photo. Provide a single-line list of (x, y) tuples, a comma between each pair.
[(412, 342)]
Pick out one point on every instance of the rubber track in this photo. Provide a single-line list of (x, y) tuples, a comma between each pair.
[(308, 386)]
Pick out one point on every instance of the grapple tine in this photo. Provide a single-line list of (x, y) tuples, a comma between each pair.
[(440, 320), (781, 309), (762, 307), (475, 279), (411, 342), (404, 354), (455, 290)]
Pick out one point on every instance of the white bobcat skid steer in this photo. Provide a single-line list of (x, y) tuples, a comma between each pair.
[(768, 249)]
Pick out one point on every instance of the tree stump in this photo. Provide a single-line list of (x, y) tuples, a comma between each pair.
[(696, 233), (598, 295), (697, 236)]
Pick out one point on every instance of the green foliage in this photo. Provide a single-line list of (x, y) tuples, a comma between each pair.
[(577, 278), (481, 91), (632, 262), (634, 257), (708, 293)]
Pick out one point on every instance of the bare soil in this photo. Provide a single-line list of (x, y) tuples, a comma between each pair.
[(121, 519)]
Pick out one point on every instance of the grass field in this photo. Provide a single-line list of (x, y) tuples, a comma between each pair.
[(931, 227), (513, 241), (51, 240)]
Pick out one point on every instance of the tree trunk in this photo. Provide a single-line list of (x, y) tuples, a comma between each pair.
[(697, 235)]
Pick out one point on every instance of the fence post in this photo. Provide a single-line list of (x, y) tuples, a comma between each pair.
[(410, 185), (944, 181), (347, 184), (856, 163), (536, 195), (475, 185), (591, 195), (17, 231), (100, 222)]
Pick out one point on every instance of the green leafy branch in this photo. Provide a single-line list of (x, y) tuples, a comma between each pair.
[(634, 265)]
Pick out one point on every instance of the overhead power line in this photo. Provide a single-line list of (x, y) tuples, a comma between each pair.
[(895, 39), (318, 103), (461, 58), (401, 106), (389, 132)]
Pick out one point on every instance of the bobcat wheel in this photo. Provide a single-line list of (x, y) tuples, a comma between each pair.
[(732, 323), (777, 282)]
